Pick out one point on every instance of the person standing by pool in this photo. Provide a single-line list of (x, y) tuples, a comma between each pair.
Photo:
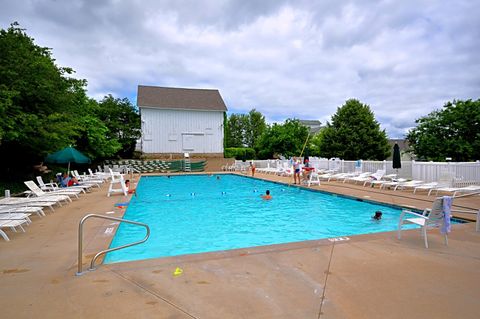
[(267, 195), (252, 168), (296, 170)]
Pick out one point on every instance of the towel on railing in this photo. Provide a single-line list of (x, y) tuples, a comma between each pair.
[(447, 206)]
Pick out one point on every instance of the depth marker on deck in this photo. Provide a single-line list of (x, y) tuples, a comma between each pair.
[(338, 239)]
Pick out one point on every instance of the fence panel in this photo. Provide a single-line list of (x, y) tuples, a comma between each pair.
[(451, 173)]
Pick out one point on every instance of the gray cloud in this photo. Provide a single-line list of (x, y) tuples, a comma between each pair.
[(285, 58)]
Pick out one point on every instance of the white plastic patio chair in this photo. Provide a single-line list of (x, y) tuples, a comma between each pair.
[(434, 217), (314, 179), (118, 180)]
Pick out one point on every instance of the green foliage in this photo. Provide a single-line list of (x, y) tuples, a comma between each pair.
[(235, 137), (239, 153), (93, 138), (314, 143), (282, 139), (245, 129), (255, 125), (225, 130), (453, 131), (353, 134), (44, 110), (123, 123)]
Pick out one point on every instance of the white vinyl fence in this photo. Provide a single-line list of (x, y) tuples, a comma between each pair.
[(451, 173)]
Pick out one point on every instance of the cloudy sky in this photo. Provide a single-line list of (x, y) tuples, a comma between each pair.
[(288, 59)]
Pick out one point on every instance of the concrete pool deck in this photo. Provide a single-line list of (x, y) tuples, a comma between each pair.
[(367, 276)]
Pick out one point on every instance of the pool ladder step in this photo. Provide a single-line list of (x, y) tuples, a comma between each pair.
[(187, 166)]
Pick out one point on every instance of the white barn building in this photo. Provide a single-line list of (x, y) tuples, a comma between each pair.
[(177, 121)]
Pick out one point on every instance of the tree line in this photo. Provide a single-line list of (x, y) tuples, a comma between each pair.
[(44, 109), (353, 133)]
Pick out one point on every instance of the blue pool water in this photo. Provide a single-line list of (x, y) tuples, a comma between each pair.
[(200, 213)]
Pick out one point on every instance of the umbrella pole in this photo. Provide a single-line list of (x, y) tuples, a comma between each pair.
[(305, 144), (68, 169)]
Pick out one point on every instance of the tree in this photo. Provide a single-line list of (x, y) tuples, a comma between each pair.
[(353, 134), (285, 139), (254, 128), (35, 99), (453, 131), (235, 131), (122, 122), (244, 129), (43, 109)]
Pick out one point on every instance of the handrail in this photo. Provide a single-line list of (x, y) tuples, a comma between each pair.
[(80, 240)]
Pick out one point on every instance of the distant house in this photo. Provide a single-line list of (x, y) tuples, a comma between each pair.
[(178, 120), (314, 126)]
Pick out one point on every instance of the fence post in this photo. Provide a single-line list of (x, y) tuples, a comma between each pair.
[(385, 166), (413, 170)]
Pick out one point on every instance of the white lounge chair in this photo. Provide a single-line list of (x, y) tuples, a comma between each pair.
[(467, 189), (52, 196), (378, 175), (12, 224), (333, 175), (385, 179), (32, 201), (410, 184), (434, 217), (15, 216), (53, 187), (356, 177), (22, 209), (427, 186), (87, 180), (393, 183), (101, 175)]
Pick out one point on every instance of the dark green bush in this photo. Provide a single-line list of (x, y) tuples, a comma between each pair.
[(239, 153)]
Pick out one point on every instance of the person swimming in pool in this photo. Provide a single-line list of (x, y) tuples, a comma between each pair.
[(267, 195), (378, 215)]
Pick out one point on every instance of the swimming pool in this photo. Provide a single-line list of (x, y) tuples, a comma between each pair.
[(200, 213)]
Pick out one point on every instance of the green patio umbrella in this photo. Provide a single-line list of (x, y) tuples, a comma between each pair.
[(397, 163), (67, 155)]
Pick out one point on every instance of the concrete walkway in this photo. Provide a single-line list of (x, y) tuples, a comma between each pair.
[(368, 276)]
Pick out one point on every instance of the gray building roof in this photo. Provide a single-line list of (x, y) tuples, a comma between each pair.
[(180, 98), (314, 126)]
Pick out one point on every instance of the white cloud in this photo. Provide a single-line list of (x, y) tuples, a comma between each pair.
[(285, 58)]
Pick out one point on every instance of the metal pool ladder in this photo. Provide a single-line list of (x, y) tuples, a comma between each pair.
[(80, 240)]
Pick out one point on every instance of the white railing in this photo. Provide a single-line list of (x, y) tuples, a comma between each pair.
[(452, 173)]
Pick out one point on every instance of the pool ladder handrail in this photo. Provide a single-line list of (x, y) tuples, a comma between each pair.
[(80, 240)]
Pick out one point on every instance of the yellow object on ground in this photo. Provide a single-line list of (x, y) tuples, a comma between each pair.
[(178, 271)]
